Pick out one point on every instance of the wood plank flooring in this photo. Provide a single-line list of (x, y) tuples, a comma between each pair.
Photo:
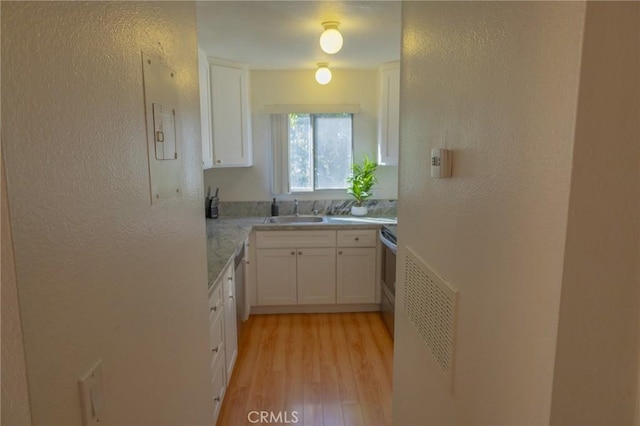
[(330, 369)]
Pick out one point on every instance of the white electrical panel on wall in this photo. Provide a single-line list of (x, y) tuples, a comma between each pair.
[(161, 99)]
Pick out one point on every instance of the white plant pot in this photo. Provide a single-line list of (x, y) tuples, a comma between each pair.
[(359, 211)]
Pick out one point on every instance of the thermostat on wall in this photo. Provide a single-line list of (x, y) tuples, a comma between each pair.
[(441, 163)]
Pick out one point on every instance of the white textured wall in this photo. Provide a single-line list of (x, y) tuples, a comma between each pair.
[(497, 82), (597, 358), (15, 394), (100, 272), (299, 87)]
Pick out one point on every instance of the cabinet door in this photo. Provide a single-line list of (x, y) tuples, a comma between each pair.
[(216, 338), (389, 117), (219, 385), (276, 276), (230, 331), (316, 276), (231, 129), (205, 110), (356, 277)]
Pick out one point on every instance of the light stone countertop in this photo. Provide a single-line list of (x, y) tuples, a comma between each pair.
[(225, 235)]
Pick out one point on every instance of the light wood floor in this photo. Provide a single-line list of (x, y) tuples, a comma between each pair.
[(331, 369)]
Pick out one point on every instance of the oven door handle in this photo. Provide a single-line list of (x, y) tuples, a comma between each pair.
[(386, 242)]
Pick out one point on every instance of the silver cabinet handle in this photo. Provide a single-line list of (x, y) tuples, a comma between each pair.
[(216, 399), (230, 278), (292, 253), (230, 297), (213, 309), (300, 253), (340, 252), (215, 350)]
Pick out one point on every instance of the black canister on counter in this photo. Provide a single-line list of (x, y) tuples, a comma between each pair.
[(207, 207), (274, 208), (214, 205)]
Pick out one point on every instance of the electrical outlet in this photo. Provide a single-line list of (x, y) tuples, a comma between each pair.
[(91, 396)]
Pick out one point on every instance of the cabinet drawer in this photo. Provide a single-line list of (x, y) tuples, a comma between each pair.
[(215, 302), (218, 384), (357, 238), (216, 333), (295, 239)]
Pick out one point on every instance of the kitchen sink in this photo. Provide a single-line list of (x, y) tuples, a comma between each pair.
[(296, 219)]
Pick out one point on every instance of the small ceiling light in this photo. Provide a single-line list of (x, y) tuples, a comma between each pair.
[(331, 39), (323, 73)]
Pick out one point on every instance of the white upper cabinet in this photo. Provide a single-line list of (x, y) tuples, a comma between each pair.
[(230, 115), (389, 115), (205, 109)]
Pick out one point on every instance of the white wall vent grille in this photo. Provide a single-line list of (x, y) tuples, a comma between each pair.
[(430, 304)]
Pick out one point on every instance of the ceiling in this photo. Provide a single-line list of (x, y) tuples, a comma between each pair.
[(285, 34)]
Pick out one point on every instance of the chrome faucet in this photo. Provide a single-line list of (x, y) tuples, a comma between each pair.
[(313, 208), (295, 207)]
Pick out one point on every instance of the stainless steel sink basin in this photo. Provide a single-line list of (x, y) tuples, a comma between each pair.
[(296, 219)]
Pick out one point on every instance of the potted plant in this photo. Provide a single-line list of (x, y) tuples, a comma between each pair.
[(360, 181)]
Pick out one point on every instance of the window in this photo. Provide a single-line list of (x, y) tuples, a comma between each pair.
[(320, 148)]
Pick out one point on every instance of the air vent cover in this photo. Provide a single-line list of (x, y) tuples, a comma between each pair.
[(430, 304)]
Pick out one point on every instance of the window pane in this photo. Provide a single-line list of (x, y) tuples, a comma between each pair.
[(300, 152), (333, 148)]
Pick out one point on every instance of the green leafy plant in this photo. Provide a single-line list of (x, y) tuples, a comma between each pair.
[(361, 179)]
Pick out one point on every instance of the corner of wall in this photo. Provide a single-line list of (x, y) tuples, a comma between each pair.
[(598, 330), (15, 408)]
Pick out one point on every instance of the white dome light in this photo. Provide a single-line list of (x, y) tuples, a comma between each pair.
[(323, 73), (331, 39)]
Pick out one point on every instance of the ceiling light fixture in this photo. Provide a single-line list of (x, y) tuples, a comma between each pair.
[(331, 39), (323, 73)]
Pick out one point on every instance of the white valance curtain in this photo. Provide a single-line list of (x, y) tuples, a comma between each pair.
[(280, 153)]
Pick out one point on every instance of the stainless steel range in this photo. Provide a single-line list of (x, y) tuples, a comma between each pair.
[(388, 238)]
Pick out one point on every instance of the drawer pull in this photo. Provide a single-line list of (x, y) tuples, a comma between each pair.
[(215, 350), (357, 238), (340, 252), (300, 253), (213, 309), (216, 399), (292, 253)]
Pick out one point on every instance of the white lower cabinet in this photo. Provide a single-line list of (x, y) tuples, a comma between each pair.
[(276, 277), (306, 268), (296, 267), (216, 345), (356, 267), (316, 273), (223, 339), (219, 385), (230, 320), (356, 275), (296, 276)]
